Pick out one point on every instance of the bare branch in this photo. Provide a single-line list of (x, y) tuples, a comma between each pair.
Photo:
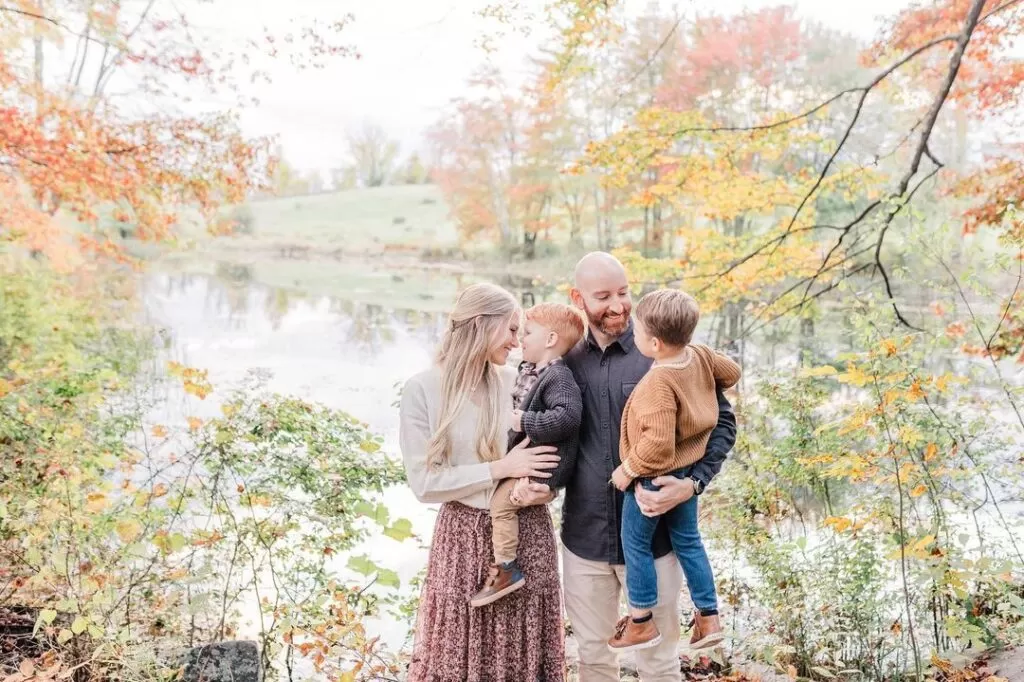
[(49, 20), (647, 64), (881, 238)]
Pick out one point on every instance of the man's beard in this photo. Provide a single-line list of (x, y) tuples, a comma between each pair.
[(609, 325)]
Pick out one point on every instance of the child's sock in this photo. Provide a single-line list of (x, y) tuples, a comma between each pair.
[(643, 619)]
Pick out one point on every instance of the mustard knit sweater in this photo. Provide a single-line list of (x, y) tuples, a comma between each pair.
[(670, 414)]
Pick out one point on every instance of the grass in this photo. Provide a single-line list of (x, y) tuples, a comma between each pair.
[(353, 220)]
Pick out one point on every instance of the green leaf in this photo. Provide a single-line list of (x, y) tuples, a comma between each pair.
[(46, 616), (178, 542), (364, 508), (823, 672), (400, 530), (388, 578), (369, 446), (65, 636), (362, 564), (79, 626)]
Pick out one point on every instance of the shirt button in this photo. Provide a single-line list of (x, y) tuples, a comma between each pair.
[(604, 392), (604, 362), (604, 424)]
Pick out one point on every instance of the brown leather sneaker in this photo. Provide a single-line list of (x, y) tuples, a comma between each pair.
[(502, 579), (707, 632), (630, 636)]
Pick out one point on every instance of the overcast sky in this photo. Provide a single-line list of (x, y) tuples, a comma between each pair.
[(416, 56)]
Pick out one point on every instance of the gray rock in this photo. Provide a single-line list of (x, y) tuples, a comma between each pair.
[(224, 662), (1008, 664)]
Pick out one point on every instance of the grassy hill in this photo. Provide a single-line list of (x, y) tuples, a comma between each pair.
[(354, 220)]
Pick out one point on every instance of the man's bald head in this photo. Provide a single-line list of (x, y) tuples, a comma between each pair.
[(602, 291), (597, 265)]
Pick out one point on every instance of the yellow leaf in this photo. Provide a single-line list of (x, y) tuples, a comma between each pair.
[(854, 376), (159, 490), (920, 490), (931, 452), (194, 423), (838, 523), (128, 530), (96, 502), (160, 431), (824, 370)]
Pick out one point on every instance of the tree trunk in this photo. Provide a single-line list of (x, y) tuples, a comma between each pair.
[(38, 42), (647, 217)]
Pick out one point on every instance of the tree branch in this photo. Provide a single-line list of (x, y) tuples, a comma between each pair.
[(881, 238), (49, 20)]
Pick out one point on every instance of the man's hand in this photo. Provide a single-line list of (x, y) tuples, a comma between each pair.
[(517, 420), (674, 492), (619, 479), (526, 493)]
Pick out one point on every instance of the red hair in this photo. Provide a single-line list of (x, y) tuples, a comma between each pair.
[(560, 318)]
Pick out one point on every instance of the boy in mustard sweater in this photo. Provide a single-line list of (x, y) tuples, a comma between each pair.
[(665, 428)]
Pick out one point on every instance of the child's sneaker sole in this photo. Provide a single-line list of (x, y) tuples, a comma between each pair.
[(636, 647), (491, 598), (709, 642)]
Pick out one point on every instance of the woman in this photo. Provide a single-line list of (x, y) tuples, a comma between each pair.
[(454, 424)]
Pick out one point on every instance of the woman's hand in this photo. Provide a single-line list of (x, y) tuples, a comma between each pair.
[(524, 461), (517, 421)]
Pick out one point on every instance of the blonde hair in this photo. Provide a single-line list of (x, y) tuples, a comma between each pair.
[(480, 311), (669, 315), (561, 319)]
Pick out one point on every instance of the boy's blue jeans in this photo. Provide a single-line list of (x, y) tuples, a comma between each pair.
[(637, 537)]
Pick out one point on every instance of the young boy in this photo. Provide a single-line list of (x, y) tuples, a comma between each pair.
[(665, 428), (549, 412)]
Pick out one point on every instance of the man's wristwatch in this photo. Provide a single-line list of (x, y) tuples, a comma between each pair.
[(698, 485)]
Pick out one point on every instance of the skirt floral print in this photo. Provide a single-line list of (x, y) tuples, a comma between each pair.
[(520, 638)]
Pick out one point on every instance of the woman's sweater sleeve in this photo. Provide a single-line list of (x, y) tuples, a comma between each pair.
[(432, 484)]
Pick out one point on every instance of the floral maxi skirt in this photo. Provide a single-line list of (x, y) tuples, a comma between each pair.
[(519, 638)]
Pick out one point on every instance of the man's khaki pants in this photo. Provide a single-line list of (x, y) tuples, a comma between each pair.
[(592, 590)]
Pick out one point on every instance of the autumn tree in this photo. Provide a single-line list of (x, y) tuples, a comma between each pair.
[(414, 171), (373, 155), (68, 146)]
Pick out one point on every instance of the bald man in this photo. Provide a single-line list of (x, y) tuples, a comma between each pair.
[(607, 365)]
